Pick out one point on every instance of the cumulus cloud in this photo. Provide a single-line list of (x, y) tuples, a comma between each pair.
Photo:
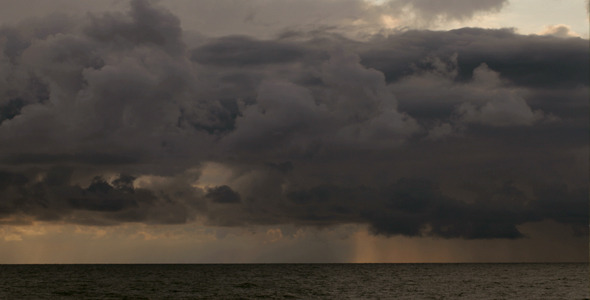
[(500, 106), (116, 118), (561, 30)]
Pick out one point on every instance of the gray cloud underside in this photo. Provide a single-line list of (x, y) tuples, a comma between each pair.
[(465, 133)]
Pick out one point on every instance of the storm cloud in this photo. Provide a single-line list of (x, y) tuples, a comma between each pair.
[(467, 133)]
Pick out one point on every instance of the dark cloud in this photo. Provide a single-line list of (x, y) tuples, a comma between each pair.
[(524, 60), (11, 109), (84, 158), (222, 194), (101, 196), (52, 196), (242, 51), (468, 133), (417, 207), (412, 207), (284, 167), (564, 204), (143, 25)]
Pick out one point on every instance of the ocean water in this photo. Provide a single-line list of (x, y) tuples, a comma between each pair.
[(296, 281)]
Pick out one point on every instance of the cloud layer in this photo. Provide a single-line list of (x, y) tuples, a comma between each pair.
[(265, 18), (466, 133)]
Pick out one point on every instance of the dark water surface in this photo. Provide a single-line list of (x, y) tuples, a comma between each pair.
[(297, 281)]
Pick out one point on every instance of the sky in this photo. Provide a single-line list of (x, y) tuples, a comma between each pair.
[(283, 131)]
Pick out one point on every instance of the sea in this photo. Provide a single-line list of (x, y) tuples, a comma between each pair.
[(296, 281)]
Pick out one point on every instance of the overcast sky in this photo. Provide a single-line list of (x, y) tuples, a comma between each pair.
[(294, 131)]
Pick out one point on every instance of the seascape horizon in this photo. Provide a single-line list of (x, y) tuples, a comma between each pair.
[(307, 149), (297, 281)]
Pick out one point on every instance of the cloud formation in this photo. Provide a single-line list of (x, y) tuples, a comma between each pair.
[(467, 133), (265, 18)]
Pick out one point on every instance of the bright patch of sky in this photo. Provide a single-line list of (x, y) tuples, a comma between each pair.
[(534, 17)]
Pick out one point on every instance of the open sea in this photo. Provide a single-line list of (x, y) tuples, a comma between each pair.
[(296, 281)]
